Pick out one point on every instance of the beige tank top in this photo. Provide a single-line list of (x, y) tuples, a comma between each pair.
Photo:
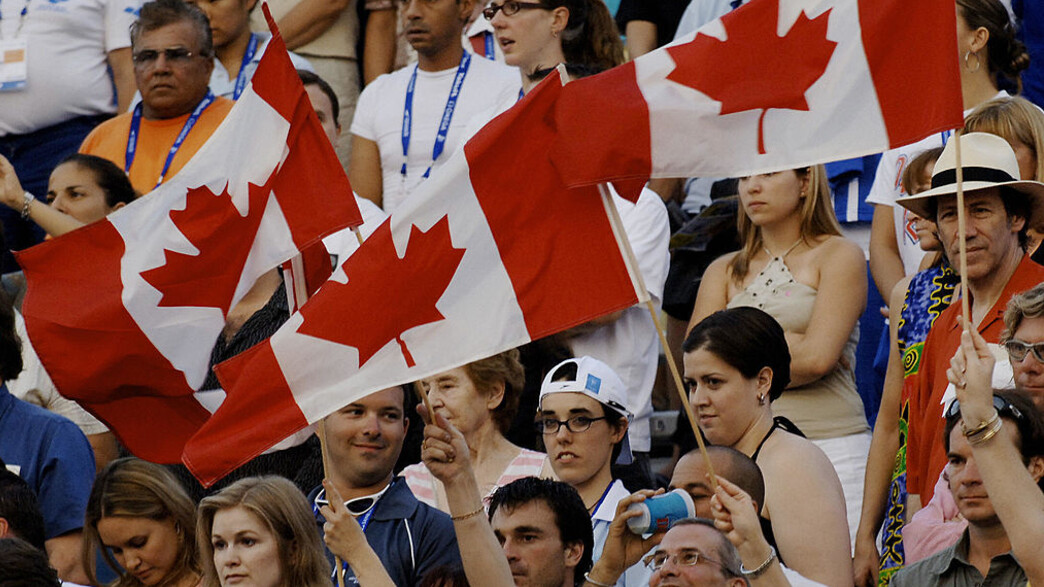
[(826, 408)]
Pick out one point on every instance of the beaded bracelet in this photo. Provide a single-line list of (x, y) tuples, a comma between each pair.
[(25, 205), (762, 567)]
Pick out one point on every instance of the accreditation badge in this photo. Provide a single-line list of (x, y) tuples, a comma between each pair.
[(14, 72)]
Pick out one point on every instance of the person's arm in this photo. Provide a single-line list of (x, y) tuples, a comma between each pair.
[(308, 20), (53, 222), (641, 37), (886, 266), (364, 170), (840, 301), (883, 448), (447, 456), (1012, 488), (380, 43), (713, 294), (346, 540), (736, 516), (623, 549), (63, 552), (808, 515), (122, 77)]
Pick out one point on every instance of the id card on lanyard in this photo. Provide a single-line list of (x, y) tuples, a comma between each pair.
[(447, 115), (14, 54), (135, 129)]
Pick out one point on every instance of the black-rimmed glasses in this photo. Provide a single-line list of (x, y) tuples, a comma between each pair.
[(574, 424), (510, 7)]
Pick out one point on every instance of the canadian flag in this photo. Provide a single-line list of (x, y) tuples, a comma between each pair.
[(124, 313), (490, 253), (775, 84)]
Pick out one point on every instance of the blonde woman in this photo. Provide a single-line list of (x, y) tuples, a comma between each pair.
[(796, 266)]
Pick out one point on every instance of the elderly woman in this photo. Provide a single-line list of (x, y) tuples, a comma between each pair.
[(480, 399)]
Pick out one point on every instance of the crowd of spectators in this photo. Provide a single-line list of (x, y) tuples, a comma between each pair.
[(861, 428)]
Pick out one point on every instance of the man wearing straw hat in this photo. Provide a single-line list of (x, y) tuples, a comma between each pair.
[(997, 210)]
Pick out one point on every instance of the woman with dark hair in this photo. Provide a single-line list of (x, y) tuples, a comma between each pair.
[(536, 36), (481, 400), (82, 189), (144, 524), (736, 362), (260, 531)]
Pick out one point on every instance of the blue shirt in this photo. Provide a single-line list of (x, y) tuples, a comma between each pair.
[(54, 458), (410, 537)]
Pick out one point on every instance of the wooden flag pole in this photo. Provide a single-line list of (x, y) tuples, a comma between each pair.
[(636, 278), (961, 236)]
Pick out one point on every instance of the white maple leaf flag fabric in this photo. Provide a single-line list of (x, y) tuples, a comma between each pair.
[(124, 313), (775, 84), (488, 254)]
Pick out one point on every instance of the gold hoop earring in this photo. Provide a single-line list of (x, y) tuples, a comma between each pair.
[(978, 61)]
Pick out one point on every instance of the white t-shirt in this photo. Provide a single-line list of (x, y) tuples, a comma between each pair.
[(630, 345), (67, 58), (223, 83), (379, 115), (888, 186)]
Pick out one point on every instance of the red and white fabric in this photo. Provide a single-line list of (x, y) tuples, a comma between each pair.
[(487, 255), (775, 84), (124, 312)]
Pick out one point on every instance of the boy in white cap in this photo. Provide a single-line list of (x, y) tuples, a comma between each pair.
[(583, 416)]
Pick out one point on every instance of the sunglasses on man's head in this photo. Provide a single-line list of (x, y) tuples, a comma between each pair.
[(1002, 406)]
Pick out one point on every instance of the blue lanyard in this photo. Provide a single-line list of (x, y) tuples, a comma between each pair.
[(447, 114), (946, 134), (241, 78), (491, 52), (135, 126), (601, 499), (25, 12)]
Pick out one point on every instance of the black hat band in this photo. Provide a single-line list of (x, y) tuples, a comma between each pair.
[(987, 174)]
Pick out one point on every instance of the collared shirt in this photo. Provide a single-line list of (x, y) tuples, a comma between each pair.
[(411, 538), (635, 576), (925, 456), (950, 568)]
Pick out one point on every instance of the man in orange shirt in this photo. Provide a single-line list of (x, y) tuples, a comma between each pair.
[(173, 57)]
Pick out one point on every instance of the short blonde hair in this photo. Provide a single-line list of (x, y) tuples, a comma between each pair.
[(281, 506), (1013, 119)]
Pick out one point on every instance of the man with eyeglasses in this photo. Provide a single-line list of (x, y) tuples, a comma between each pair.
[(409, 122), (982, 555), (173, 59), (364, 440)]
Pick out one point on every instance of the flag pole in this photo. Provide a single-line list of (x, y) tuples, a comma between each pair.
[(639, 283), (962, 251), (301, 294)]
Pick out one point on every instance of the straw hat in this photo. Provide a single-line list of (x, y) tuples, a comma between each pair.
[(987, 161)]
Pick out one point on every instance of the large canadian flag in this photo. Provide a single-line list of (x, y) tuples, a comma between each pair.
[(124, 313), (775, 84), (488, 254)]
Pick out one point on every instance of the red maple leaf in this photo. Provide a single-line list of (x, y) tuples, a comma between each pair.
[(392, 294), (755, 68), (223, 237)]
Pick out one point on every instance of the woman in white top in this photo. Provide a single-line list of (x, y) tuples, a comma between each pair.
[(480, 399)]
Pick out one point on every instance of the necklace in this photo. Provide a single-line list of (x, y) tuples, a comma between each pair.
[(788, 251)]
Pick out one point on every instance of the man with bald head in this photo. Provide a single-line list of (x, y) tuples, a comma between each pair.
[(690, 474)]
